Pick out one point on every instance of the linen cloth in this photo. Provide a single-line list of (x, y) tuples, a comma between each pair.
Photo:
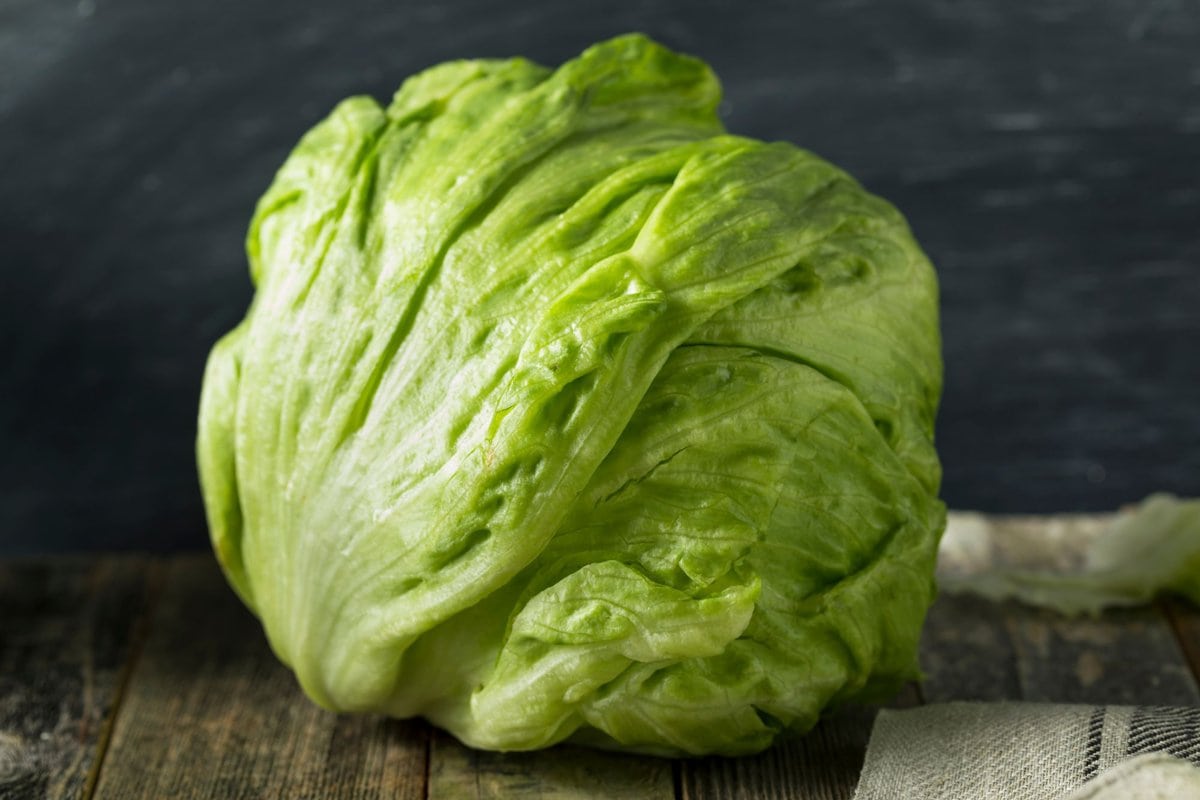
[(1032, 751)]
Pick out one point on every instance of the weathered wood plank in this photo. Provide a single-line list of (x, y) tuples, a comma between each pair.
[(1125, 657), (976, 650), (560, 773), (67, 628), (822, 765), (1185, 619), (967, 653), (210, 713)]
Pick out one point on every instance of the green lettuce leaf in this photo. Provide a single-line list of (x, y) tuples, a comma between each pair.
[(1146, 551), (561, 413)]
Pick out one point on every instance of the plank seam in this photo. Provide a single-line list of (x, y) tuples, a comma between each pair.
[(155, 578), (428, 759), (1170, 610)]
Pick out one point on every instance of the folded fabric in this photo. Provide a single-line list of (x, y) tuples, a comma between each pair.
[(1030, 751)]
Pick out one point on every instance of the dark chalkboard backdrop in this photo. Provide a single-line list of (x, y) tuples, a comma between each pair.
[(1047, 155)]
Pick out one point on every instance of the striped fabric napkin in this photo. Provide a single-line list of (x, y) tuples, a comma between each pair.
[(1033, 751)]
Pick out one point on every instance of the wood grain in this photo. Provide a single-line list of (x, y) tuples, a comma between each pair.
[(967, 652), (1185, 620), (144, 679), (67, 627), (821, 765), (211, 713), (1126, 657), (560, 773), (976, 650)]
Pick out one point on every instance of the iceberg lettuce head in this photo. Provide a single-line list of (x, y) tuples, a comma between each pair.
[(560, 413)]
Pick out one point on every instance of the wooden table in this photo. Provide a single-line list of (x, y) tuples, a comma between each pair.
[(132, 676)]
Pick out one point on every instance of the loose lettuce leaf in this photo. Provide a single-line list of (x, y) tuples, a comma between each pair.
[(561, 413), (1147, 551)]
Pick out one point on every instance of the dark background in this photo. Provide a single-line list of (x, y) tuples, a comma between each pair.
[(1047, 155)]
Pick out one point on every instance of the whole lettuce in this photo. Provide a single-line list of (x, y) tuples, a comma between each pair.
[(560, 412)]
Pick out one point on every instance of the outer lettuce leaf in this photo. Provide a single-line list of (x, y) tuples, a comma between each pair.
[(559, 412)]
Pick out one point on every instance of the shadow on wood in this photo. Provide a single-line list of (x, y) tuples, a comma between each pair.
[(562, 773)]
